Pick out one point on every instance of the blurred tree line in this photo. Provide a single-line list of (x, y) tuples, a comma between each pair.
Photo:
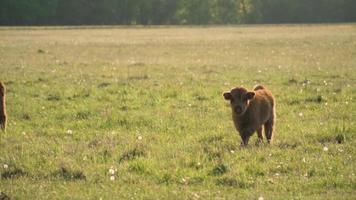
[(125, 12)]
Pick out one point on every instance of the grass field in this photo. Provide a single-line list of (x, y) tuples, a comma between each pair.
[(138, 113)]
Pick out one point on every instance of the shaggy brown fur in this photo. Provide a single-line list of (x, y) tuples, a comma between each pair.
[(251, 110), (3, 115)]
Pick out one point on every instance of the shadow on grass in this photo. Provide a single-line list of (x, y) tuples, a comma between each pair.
[(69, 175), (132, 154), (13, 173)]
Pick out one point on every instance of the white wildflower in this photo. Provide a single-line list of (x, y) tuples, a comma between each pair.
[(112, 170), (325, 148), (112, 178), (6, 166), (70, 132)]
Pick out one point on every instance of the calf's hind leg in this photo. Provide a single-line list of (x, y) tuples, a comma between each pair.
[(269, 130), (3, 123), (259, 134)]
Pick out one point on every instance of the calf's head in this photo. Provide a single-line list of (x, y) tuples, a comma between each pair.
[(239, 99)]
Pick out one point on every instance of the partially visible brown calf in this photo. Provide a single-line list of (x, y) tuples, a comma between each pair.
[(251, 110), (2, 107)]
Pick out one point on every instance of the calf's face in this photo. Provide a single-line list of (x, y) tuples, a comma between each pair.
[(239, 99)]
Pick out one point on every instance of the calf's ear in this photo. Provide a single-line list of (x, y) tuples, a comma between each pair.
[(250, 95), (227, 95)]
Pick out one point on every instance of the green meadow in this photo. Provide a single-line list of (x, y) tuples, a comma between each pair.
[(138, 112)]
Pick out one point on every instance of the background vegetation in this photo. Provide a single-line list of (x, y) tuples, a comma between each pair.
[(125, 12), (138, 113)]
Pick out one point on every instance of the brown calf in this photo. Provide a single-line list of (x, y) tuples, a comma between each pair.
[(251, 110), (2, 107)]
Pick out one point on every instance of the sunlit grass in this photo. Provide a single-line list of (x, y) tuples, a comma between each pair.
[(139, 113)]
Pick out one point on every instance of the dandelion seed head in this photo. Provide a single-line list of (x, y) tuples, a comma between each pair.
[(325, 148), (112, 178)]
